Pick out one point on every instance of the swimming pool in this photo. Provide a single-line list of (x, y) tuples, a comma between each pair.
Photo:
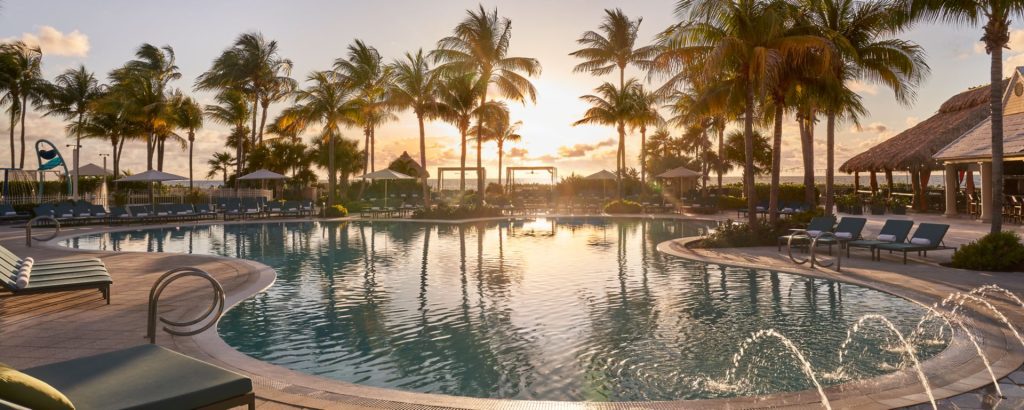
[(547, 309)]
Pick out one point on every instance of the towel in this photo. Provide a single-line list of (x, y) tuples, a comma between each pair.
[(141, 214), (814, 234), (844, 235), (101, 214), (10, 213), (787, 210), (22, 282), (921, 241), (887, 238), (760, 209)]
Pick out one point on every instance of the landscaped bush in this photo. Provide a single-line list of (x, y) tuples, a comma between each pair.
[(336, 211), (1001, 251), (623, 207), (732, 235), (463, 212), (731, 202)]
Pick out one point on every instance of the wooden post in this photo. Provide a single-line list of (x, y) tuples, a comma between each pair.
[(925, 175), (951, 188), (915, 183), (888, 180), (874, 183), (856, 181)]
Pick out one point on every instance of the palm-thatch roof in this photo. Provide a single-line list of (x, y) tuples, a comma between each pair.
[(915, 147), (405, 163)]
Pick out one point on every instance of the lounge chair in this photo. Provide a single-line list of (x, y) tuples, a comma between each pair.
[(927, 237), (893, 231), (817, 225), (55, 275), (848, 229), (145, 376), (8, 213), (307, 208)]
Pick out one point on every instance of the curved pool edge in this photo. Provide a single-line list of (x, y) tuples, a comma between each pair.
[(284, 385)]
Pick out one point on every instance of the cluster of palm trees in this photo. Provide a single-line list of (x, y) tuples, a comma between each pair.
[(751, 62)]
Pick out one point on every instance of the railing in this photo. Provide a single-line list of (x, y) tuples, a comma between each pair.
[(216, 308), (801, 234), (28, 229)]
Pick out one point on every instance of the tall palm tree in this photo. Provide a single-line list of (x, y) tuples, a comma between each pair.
[(189, 116), (615, 107), (11, 96), (744, 42), (348, 158), (363, 71), (613, 47), (866, 50), (278, 88), (479, 44), (646, 115), (457, 104), (232, 109), (415, 88), (996, 16), (328, 102), (140, 89), (499, 128), (72, 96), (252, 65), (112, 127), (26, 85), (221, 162)]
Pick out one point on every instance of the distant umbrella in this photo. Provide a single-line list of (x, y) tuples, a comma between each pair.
[(151, 176), (262, 175), (603, 175), (92, 170), (386, 175)]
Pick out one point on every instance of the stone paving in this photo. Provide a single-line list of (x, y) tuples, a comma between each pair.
[(48, 328)]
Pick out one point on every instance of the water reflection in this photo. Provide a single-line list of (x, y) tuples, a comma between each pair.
[(558, 309)]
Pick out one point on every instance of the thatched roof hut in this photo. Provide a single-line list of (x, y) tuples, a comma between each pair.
[(914, 148), (404, 163)]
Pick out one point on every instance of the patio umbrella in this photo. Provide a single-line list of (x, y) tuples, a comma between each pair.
[(386, 175), (681, 173), (603, 175), (92, 170), (263, 176), (151, 176)]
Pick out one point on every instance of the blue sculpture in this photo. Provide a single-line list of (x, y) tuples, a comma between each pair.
[(53, 160)]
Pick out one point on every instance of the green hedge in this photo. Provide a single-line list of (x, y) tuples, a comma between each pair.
[(1000, 251)]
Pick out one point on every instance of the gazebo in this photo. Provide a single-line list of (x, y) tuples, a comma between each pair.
[(687, 178), (912, 150)]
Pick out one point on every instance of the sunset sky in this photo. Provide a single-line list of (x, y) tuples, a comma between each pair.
[(103, 35)]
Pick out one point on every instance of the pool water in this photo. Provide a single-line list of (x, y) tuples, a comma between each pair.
[(553, 309)]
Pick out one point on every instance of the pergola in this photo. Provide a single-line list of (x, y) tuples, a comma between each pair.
[(480, 172), (510, 175)]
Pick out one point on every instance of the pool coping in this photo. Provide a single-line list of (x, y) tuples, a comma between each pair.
[(290, 386)]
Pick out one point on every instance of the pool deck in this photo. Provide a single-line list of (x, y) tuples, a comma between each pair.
[(44, 329)]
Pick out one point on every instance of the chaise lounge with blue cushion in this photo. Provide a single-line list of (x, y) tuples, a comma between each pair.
[(817, 225), (927, 237), (893, 231), (848, 229)]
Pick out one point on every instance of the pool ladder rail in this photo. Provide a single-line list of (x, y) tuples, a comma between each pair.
[(802, 234), (184, 328)]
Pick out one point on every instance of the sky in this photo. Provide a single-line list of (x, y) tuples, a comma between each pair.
[(102, 35)]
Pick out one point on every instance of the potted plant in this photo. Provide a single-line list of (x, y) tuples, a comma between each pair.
[(851, 204), (877, 205), (897, 205)]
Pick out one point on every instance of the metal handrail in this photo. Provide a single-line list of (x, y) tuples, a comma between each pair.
[(813, 246), (28, 229), (789, 246), (838, 260), (166, 279)]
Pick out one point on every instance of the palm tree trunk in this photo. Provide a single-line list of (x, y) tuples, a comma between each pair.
[(24, 110), (191, 143), (773, 193), (14, 122), (643, 159), (160, 154), (622, 158), (807, 147), (255, 113), (373, 148), (332, 179), (150, 139), (721, 156), (480, 175), (263, 121), (117, 156), (501, 155), (366, 150), (748, 156), (462, 166), (423, 161), (996, 211), (830, 161)]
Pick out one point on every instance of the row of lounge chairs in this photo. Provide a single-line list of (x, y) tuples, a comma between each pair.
[(83, 212), (893, 237), (785, 209), (259, 207)]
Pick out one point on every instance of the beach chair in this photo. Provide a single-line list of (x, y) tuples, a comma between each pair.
[(144, 376), (927, 237), (893, 231), (8, 213), (65, 213), (848, 229), (307, 208), (62, 275), (204, 211), (291, 208), (275, 208), (119, 215), (251, 207), (817, 225), (44, 210)]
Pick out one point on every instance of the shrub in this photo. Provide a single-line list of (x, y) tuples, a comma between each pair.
[(731, 202), (336, 211), (623, 207), (733, 235), (1000, 251)]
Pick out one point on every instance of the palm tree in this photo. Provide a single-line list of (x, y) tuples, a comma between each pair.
[(457, 104), (11, 96), (26, 84), (479, 44), (348, 159), (497, 128), (646, 115), (613, 47), (72, 96), (613, 107), (744, 42), (278, 88), (140, 90), (112, 127), (253, 66), (326, 101), (415, 88), (364, 72), (232, 110), (222, 162), (189, 116), (862, 34)]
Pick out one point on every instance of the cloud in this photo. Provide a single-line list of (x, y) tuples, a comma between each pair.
[(517, 152), (862, 88), (874, 128), (54, 42), (580, 150)]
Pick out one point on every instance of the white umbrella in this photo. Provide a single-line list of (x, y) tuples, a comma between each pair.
[(262, 175), (92, 170), (151, 176), (603, 175), (386, 174)]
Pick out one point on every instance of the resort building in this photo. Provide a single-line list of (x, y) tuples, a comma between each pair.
[(972, 151)]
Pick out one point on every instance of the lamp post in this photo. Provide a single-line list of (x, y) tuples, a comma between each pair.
[(104, 156), (74, 181)]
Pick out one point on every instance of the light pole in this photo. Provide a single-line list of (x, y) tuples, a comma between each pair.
[(104, 161), (74, 181), (104, 156)]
